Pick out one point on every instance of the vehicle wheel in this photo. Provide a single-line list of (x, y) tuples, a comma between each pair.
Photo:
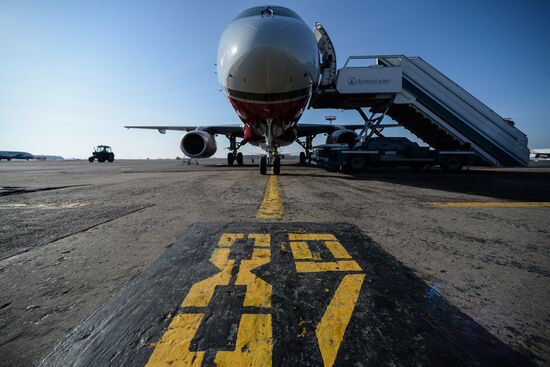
[(452, 164), (101, 159), (276, 165), (230, 159), (240, 160), (263, 165), (111, 159), (302, 158), (91, 159), (357, 163)]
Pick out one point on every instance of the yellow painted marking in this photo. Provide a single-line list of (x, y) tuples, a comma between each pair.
[(332, 327), (492, 203), (337, 250), (173, 347), (254, 336), (201, 292), (254, 343), (314, 267), (300, 251), (258, 291), (272, 205), (311, 237), (229, 239), (260, 239)]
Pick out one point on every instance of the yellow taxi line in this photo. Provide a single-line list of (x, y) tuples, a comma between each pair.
[(272, 205)]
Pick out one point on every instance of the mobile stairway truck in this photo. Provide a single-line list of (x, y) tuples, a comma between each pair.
[(458, 128)]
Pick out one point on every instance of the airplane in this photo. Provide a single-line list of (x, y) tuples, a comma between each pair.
[(269, 66), (539, 154), (9, 155)]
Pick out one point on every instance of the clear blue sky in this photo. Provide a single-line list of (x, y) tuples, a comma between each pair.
[(72, 73)]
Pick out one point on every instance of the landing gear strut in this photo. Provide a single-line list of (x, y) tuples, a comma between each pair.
[(307, 145), (234, 155), (272, 158)]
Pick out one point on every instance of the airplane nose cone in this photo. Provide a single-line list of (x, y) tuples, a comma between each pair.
[(268, 55)]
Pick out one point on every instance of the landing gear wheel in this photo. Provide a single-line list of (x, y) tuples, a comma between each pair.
[(263, 165), (240, 160), (276, 165), (452, 164), (101, 159), (357, 163), (230, 159), (111, 159), (91, 159), (302, 158)]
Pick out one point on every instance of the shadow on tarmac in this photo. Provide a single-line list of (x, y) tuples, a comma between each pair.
[(508, 185), (522, 185)]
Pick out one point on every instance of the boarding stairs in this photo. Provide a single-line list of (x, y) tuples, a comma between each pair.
[(427, 103)]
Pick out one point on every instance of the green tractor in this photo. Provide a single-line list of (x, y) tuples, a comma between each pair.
[(102, 153)]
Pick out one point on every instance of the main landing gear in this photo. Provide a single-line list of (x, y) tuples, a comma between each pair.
[(234, 155), (307, 145)]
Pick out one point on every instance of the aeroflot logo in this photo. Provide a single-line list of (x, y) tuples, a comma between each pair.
[(354, 81)]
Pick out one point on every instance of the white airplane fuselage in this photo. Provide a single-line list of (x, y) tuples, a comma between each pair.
[(268, 66)]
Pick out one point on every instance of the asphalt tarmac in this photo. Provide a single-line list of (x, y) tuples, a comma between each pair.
[(158, 262)]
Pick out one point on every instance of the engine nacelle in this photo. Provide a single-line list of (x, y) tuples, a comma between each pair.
[(342, 137), (198, 144)]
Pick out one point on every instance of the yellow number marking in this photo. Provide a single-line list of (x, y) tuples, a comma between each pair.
[(254, 337), (258, 291), (228, 239), (200, 293), (254, 343), (300, 251), (332, 327), (173, 347), (321, 266)]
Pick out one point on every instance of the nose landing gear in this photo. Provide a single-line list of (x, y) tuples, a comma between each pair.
[(272, 158)]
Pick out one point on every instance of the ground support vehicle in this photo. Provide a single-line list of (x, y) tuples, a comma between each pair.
[(388, 151), (102, 153)]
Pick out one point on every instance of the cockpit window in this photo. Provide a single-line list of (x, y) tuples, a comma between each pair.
[(268, 11)]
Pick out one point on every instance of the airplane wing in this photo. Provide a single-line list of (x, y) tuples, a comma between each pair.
[(228, 130), (237, 130), (314, 129)]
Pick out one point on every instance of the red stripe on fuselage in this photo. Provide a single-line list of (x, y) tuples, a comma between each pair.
[(252, 111)]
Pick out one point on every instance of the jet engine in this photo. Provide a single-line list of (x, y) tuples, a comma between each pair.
[(198, 144), (342, 136)]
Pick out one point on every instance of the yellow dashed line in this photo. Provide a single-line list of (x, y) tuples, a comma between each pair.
[(491, 203), (272, 205)]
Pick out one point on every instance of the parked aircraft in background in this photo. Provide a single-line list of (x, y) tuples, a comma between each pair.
[(539, 154), (269, 67), (9, 155)]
